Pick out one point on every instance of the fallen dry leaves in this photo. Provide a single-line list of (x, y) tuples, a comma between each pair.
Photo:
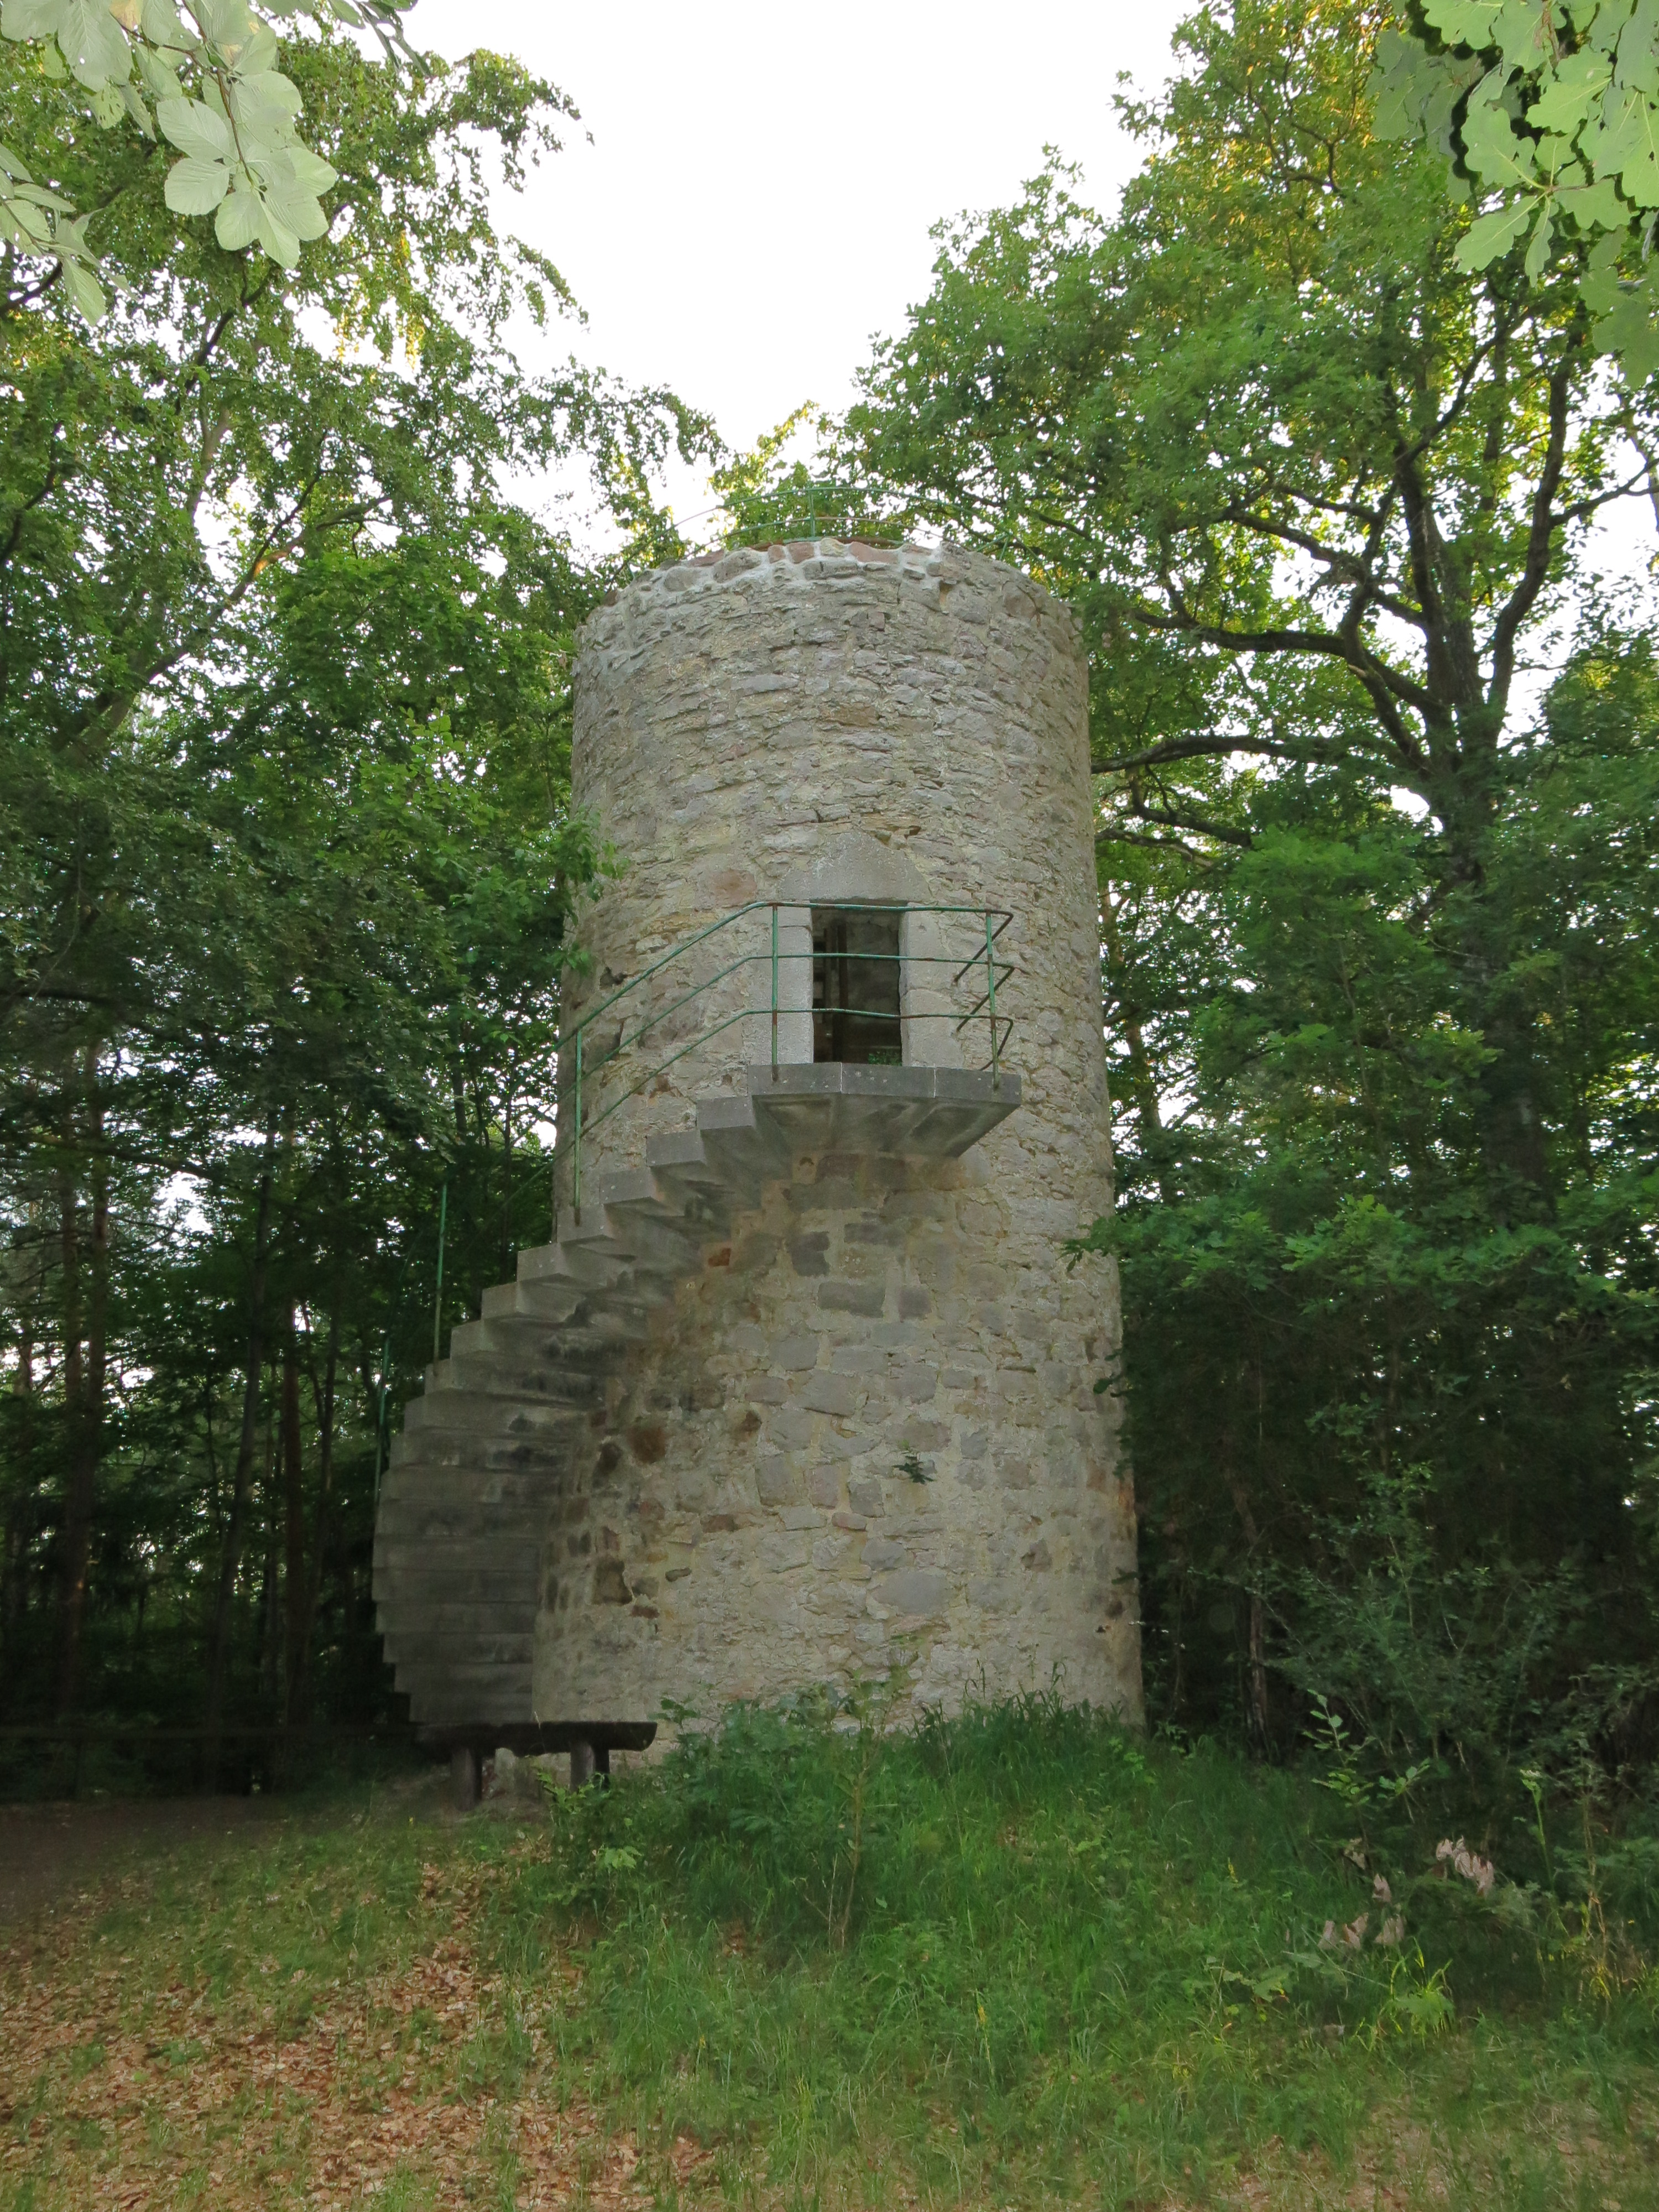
[(198, 2101)]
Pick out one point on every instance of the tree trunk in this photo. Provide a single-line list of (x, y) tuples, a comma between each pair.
[(230, 1558), (85, 1373), (271, 1580), (14, 1585), (325, 1402), (1142, 1085), (1509, 1116), (1256, 1643), (293, 1529)]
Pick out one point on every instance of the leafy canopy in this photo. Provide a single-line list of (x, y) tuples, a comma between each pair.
[(1547, 111), (207, 76)]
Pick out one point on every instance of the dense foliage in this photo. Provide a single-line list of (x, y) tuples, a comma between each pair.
[(210, 78), (1550, 115), (288, 864), (1379, 774)]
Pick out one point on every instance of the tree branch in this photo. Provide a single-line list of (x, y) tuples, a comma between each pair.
[(1541, 535)]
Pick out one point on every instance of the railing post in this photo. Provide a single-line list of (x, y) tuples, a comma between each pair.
[(576, 1164), (991, 1000), (775, 991), (438, 1301)]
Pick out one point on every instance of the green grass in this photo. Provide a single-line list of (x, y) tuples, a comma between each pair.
[(1018, 1958)]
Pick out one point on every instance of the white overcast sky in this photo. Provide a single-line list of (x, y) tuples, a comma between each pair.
[(747, 198), (756, 201)]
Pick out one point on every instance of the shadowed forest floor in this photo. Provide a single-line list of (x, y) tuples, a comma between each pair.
[(49, 1852), (1084, 1990)]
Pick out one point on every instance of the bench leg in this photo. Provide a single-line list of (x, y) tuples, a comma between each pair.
[(463, 1777)]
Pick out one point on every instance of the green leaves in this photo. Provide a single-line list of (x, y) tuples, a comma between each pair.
[(1492, 147), (1493, 235), (36, 221), (195, 130), (196, 187), (1623, 142), (237, 125), (263, 183), (1569, 98), (92, 43), (1465, 22), (1630, 326), (1564, 125), (1518, 29)]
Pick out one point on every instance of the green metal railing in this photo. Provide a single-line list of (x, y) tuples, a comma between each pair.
[(984, 965)]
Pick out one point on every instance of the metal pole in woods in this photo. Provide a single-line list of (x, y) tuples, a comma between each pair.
[(437, 1302), (775, 994), (379, 1415), (576, 1165), (991, 997)]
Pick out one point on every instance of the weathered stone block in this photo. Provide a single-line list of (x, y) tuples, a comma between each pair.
[(829, 1393), (776, 1482), (852, 1297), (881, 1553), (823, 1484), (808, 1254), (920, 1590)]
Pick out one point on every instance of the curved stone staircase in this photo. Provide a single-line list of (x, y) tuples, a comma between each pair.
[(484, 1452)]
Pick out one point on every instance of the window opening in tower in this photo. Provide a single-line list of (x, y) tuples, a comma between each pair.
[(855, 985)]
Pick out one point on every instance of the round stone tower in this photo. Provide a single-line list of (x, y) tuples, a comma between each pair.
[(843, 999)]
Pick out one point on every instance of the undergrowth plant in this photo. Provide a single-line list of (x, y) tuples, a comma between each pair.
[(1026, 1924)]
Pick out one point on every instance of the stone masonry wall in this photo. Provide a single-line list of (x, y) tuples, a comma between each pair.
[(870, 1429)]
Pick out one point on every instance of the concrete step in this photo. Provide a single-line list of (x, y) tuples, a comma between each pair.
[(467, 1697), (442, 1519), (746, 1154), (461, 1620), (636, 1208), (486, 1491), (444, 1641), (507, 1596), (517, 1336), (499, 1375), (405, 1598), (529, 1417), (913, 1113), (438, 1449), (645, 1230), (488, 1488), (680, 1166), (550, 1299), (581, 1269), (496, 1549)]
